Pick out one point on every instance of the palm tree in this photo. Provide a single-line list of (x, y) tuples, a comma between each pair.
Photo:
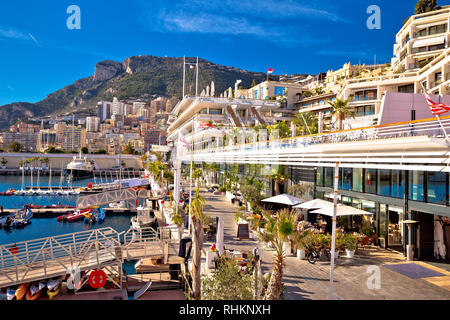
[(342, 110), (45, 161), (197, 218), (277, 232), (279, 178), (309, 125)]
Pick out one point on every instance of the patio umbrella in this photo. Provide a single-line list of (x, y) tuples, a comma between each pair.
[(313, 204), (342, 210), (284, 199), (219, 236)]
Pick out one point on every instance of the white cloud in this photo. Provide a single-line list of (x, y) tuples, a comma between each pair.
[(12, 34), (260, 19)]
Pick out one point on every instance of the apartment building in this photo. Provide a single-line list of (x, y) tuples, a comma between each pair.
[(74, 138), (92, 124)]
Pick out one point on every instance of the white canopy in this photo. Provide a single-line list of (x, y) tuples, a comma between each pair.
[(342, 210), (284, 199), (313, 204)]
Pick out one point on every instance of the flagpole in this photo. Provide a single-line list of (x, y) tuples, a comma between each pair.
[(190, 178), (437, 116)]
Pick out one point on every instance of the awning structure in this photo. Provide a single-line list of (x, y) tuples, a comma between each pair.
[(284, 199), (342, 210), (314, 204), (429, 42)]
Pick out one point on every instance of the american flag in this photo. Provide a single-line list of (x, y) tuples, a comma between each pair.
[(436, 108)]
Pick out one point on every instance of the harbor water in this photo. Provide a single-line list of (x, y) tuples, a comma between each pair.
[(42, 227)]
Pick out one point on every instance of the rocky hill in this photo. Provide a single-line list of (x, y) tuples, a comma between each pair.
[(139, 77)]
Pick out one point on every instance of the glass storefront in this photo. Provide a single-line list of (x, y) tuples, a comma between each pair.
[(357, 180), (398, 184), (384, 183), (347, 179), (395, 227), (437, 187), (370, 183), (416, 186)]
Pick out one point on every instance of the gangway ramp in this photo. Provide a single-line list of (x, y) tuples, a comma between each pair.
[(105, 248), (54, 256), (115, 196)]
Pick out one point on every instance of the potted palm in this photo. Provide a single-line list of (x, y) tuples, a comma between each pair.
[(351, 243)]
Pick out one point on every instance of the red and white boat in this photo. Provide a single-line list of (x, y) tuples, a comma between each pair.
[(75, 216), (32, 206)]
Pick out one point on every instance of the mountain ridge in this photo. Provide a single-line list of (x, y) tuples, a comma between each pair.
[(137, 77)]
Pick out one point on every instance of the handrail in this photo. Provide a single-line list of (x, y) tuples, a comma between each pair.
[(398, 128)]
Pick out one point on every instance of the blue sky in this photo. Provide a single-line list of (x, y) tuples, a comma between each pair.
[(39, 54)]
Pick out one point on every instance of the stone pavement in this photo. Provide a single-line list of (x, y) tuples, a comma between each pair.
[(304, 281)]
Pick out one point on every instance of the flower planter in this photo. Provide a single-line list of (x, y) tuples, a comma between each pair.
[(287, 249), (350, 253), (301, 254)]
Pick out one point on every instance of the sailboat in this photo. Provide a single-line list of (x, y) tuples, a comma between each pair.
[(39, 191), (22, 192), (31, 192), (60, 191)]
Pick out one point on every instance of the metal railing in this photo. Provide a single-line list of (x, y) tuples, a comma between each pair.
[(47, 257), (111, 197), (426, 127)]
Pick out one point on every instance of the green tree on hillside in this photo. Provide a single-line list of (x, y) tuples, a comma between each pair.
[(16, 147), (424, 6)]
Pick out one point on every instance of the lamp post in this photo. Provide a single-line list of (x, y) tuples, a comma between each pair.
[(332, 295)]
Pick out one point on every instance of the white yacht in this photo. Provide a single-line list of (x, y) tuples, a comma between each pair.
[(80, 168)]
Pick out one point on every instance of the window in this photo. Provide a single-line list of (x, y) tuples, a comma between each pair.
[(406, 89), (364, 111), (347, 179), (437, 187), (215, 111), (416, 186), (384, 183), (436, 47), (319, 177), (370, 183), (328, 177), (357, 179), (398, 184)]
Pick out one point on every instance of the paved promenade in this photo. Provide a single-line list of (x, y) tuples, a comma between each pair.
[(304, 281)]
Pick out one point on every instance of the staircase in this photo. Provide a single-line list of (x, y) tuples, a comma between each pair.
[(234, 117), (258, 116)]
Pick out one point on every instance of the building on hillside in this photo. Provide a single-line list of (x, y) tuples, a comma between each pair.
[(25, 128), (92, 124), (47, 139), (74, 138), (421, 39), (104, 110), (29, 141), (270, 89)]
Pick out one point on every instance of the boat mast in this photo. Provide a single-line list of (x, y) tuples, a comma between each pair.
[(50, 178)]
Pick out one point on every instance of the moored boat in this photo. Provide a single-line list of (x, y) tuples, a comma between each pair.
[(22, 218), (21, 291), (32, 206), (35, 290)]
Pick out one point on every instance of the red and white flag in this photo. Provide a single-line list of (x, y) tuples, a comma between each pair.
[(269, 71), (199, 125), (436, 108)]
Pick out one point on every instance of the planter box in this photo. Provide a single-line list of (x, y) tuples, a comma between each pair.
[(350, 253), (301, 254)]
